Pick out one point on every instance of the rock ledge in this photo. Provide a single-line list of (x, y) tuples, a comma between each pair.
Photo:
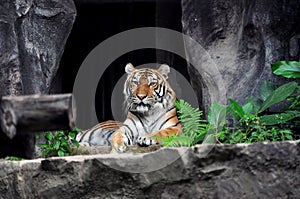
[(261, 170)]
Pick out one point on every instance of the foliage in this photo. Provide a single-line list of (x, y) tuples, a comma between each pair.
[(253, 121), (60, 143), (190, 117), (14, 158), (288, 69), (217, 116), (194, 128), (295, 101), (260, 106), (217, 120), (278, 95), (255, 134), (177, 140), (279, 118)]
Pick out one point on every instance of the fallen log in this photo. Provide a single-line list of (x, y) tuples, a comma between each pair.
[(36, 113)]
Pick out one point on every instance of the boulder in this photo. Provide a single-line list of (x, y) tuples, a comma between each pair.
[(242, 39), (261, 170)]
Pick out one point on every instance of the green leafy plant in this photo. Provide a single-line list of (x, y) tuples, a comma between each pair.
[(289, 69), (258, 108), (261, 134), (295, 101), (217, 120), (14, 158), (278, 95), (254, 121), (217, 116), (59, 143)]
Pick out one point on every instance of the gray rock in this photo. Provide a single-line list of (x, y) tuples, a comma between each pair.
[(261, 170), (32, 38), (242, 39)]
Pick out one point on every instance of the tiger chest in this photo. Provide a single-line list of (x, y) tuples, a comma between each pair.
[(143, 126)]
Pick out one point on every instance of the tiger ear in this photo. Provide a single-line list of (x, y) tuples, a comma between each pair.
[(164, 69), (129, 68)]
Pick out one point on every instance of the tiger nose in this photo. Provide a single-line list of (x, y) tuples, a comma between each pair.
[(141, 96)]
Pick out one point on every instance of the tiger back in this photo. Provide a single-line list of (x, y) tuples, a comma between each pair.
[(149, 102)]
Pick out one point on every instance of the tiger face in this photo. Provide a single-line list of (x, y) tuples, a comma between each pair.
[(147, 90)]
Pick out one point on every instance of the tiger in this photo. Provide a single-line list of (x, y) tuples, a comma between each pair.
[(151, 114)]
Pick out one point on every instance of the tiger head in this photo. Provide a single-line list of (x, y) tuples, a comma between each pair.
[(147, 90)]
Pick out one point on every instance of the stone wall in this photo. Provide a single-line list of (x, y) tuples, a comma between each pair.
[(242, 39), (262, 170)]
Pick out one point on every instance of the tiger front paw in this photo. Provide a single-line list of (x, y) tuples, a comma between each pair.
[(119, 142), (145, 141)]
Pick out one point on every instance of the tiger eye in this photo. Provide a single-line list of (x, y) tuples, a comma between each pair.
[(152, 84)]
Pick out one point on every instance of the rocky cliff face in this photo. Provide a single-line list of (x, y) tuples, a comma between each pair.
[(262, 170), (242, 39), (33, 35), (32, 38)]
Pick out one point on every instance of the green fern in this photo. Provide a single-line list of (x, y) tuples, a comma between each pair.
[(177, 140), (190, 118), (194, 129)]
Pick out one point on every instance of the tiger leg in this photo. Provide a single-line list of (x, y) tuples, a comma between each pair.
[(152, 139), (119, 142)]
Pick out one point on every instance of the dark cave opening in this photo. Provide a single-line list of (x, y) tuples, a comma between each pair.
[(97, 21)]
